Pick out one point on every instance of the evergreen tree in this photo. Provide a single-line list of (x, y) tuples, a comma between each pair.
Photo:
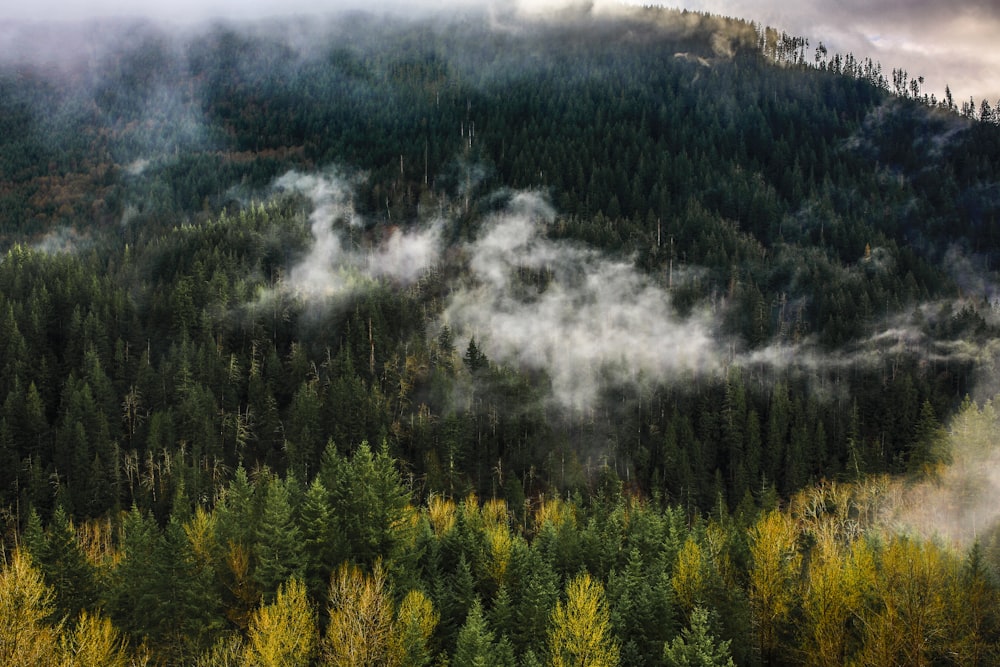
[(457, 594), (278, 544), (64, 567), (930, 445), (322, 544), (534, 591), (641, 601), (368, 500), (696, 647), (474, 646)]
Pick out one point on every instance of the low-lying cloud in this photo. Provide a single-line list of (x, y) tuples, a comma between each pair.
[(586, 320), (581, 319), (960, 501), (339, 261)]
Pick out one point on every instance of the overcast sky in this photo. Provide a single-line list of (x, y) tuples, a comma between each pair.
[(955, 43)]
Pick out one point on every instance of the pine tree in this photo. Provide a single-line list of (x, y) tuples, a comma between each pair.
[(277, 548), (930, 442), (641, 601), (474, 646), (322, 545), (66, 569), (304, 442), (696, 647), (457, 594), (368, 500), (534, 591)]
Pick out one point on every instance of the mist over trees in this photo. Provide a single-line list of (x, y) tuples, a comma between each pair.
[(633, 339)]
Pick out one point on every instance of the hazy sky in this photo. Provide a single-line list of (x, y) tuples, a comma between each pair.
[(955, 43)]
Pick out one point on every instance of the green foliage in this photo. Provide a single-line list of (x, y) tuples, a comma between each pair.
[(696, 647), (58, 556), (641, 599), (367, 500), (474, 646), (277, 547)]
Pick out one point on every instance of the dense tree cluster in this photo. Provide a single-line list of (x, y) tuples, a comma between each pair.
[(612, 580)]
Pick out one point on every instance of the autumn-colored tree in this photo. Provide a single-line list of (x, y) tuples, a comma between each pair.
[(772, 578), (26, 639), (227, 651), (95, 642), (580, 628), (904, 622), (832, 595), (499, 546), (360, 618), (689, 578), (971, 618), (416, 620), (283, 633)]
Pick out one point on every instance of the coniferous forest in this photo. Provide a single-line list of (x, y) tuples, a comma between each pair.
[(636, 338)]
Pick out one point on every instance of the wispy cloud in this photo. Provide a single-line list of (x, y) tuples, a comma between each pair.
[(62, 240), (335, 266), (586, 320)]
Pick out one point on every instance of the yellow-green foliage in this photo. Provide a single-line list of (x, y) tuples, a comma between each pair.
[(25, 602), (776, 566), (441, 512), (94, 642), (27, 638), (556, 512), (580, 631), (690, 579), (415, 623), (360, 618), (283, 633)]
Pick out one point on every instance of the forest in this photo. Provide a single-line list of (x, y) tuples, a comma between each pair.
[(643, 338)]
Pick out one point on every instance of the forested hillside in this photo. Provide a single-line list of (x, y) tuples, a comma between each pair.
[(653, 337)]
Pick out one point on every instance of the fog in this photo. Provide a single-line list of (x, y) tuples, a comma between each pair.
[(338, 264), (585, 319), (950, 44), (960, 500)]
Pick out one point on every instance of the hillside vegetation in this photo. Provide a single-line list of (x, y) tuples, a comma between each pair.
[(647, 338)]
